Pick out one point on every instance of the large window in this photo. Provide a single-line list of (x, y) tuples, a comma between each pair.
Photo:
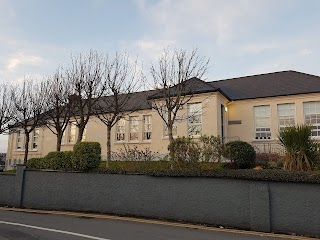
[(194, 119), (134, 128), (311, 112), (286, 115), (35, 139), (262, 122), (147, 127), (19, 140), (72, 133), (165, 128), (121, 130)]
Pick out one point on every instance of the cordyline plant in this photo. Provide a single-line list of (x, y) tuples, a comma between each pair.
[(301, 150)]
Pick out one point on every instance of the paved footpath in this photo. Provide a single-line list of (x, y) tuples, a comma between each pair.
[(16, 224)]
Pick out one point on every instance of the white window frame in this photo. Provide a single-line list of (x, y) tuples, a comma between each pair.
[(35, 139), (194, 125), (262, 113), (147, 128), (286, 115), (121, 130), (311, 113), (134, 128), (19, 140)]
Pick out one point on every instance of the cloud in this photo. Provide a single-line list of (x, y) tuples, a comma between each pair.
[(222, 20), (23, 59)]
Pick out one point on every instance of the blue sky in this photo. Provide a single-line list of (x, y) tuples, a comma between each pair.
[(240, 37)]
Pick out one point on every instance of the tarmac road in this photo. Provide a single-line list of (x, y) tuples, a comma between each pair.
[(46, 225)]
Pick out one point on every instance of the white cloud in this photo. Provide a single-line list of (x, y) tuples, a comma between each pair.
[(23, 59)]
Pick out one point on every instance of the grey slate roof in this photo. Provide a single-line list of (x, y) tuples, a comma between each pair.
[(268, 85), (191, 86)]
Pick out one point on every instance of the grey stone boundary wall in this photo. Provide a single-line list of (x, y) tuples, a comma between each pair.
[(246, 204)]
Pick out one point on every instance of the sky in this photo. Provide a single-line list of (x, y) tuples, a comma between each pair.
[(241, 37)]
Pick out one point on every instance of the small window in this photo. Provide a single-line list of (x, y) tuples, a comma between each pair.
[(134, 128), (262, 122), (147, 127), (121, 129), (35, 139), (19, 140)]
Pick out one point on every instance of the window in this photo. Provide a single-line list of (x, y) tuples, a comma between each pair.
[(19, 140), (35, 139), (286, 115), (147, 127), (262, 122), (121, 129), (72, 133), (311, 112), (194, 119), (134, 128)]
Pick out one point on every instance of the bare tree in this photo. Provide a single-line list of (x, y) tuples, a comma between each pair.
[(121, 79), (28, 101), (85, 77), (171, 76), (59, 113), (6, 109)]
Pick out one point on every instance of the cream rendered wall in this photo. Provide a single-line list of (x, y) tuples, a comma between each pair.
[(97, 131), (243, 110)]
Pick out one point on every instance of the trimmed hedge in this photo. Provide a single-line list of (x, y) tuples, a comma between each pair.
[(59, 160), (37, 163), (86, 156), (241, 154), (245, 174), (136, 166)]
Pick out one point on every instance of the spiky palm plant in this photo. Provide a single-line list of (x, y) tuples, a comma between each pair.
[(301, 151)]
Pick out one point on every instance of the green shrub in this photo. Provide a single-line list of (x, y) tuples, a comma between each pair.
[(37, 163), (211, 148), (59, 160), (86, 156), (241, 154), (184, 153), (134, 154), (301, 151)]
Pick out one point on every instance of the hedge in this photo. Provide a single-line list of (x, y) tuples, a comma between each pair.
[(86, 156), (59, 160), (245, 174)]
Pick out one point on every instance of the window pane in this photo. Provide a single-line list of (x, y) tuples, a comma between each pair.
[(194, 119), (311, 112), (134, 128), (262, 122), (147, 128)]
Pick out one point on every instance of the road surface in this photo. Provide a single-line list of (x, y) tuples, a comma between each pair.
[(46, 225)]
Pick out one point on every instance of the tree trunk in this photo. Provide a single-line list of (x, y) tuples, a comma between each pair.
[(108, 143), (26, 147), (81, 130), (170, 135), (59, 139)]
